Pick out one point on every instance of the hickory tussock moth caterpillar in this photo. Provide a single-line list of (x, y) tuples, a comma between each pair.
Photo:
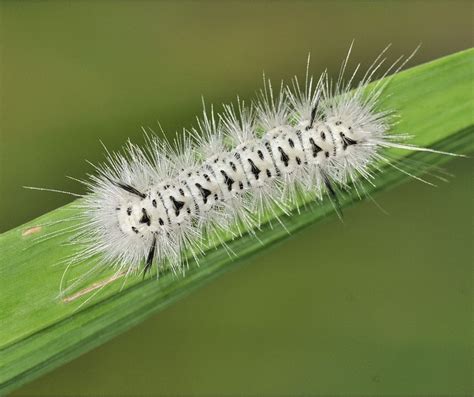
[(236, 170)]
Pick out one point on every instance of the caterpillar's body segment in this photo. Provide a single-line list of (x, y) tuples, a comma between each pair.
[(146, 207), (165, 207)]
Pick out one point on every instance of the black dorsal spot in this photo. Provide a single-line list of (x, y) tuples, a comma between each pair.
[(260, 154), (204, 192), (135, 230), (232, 165), (269, 174), (177, 205), (129, 211), (227, 180), (326, 154), (346, 141), (145, 217), (284, 157), (160, 221), (153, 203), (291, 143), (316, 149), (241, 185), (255, 170), (298, 160), (323, 135)]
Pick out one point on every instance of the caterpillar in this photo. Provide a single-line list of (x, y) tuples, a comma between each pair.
[(236, 169)]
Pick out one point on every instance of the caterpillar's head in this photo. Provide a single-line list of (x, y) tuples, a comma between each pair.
[(357, 137)]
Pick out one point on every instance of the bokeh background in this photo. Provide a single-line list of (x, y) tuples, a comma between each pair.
[(390, 313)]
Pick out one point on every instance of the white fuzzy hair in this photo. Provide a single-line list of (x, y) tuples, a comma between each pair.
[(132, 180)]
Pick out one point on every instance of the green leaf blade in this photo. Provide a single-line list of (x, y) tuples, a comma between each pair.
[(39, 332)]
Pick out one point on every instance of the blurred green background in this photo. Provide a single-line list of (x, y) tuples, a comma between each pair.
[(390, 313)]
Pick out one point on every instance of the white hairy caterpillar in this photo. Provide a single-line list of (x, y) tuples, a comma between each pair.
[(234, 171)]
